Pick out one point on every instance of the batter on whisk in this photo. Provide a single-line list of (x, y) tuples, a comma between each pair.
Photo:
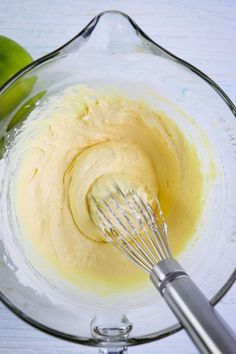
[(76, 145)]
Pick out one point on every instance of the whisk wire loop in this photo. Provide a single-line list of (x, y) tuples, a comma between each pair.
[(136, 216), (121, 242), (139, 232), (124, 239)]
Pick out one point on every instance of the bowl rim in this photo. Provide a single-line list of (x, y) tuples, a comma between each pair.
[(95, 342)]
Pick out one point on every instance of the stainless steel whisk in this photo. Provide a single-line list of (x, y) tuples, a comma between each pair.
[(137, 228)]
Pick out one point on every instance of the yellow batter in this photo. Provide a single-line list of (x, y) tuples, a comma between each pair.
[(82, 142)]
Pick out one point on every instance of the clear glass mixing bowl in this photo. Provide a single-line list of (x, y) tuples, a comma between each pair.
[(113, 48)]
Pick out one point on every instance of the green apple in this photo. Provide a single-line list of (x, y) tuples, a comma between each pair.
[(25, 110), (13, 57), (15, 94)]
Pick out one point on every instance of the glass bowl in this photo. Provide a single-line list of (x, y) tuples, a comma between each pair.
[(112, 48)]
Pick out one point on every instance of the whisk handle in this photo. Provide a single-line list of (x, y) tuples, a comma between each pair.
[(199, 318)]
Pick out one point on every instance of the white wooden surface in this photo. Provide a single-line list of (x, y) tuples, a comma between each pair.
[(202, 32)]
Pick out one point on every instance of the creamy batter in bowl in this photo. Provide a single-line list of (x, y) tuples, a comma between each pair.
[(76, 145), (173, 120)]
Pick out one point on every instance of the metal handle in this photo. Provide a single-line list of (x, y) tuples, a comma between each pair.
[(199, 318)]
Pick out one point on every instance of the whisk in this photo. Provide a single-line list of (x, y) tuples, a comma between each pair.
[(137, 228)]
